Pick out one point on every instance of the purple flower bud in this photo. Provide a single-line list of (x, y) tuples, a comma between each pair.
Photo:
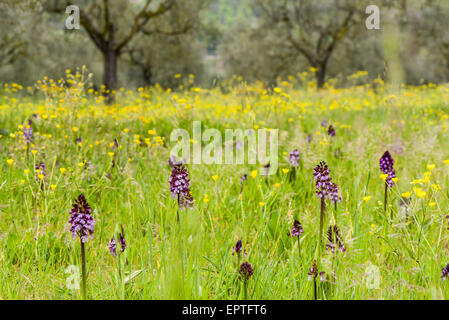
[(122, 243), (28, 134), (112, 247), (313, 272), (297, 229), (324, 123), (331, 131), (238, 248), (334, 193), (294, 158), (445, 272), (81, 220), (309, 138), (179, 185), (323, 182), (334, 239), (246, 271), (325, 188), (386, 163), (322, 276), (172, 161)]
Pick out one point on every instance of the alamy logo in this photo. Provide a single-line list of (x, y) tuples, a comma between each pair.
[(373, 20), (229, 149), (372, 280), (73, 280), (73, 20)]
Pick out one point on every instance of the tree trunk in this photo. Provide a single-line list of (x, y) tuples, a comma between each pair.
[(110, 56), (110, 72), (320, 75), (321, 72), (148, 76)]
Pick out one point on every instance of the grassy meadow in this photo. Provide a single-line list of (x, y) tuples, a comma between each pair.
[(73, 132)]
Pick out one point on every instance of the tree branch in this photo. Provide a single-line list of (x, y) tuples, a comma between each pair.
[(85, 21), (142, 18), (106, 17)]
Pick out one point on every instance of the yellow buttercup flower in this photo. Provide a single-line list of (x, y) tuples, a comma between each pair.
[(215, 177), (431, 167), (53, 187), (285, 170), (421, 194), (383, 176), (10, 162), (26, 171), (367, 198), (432, 204), (254, 173), (406, 194), (62, 170)]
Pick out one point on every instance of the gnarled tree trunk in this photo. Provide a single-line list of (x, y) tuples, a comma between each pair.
[(110, 70), (320, 74), (110, 62)]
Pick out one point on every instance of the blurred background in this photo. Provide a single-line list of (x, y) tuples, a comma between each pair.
[(138, 43)]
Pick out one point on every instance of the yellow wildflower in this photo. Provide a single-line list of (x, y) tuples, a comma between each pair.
[(406, 194)]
